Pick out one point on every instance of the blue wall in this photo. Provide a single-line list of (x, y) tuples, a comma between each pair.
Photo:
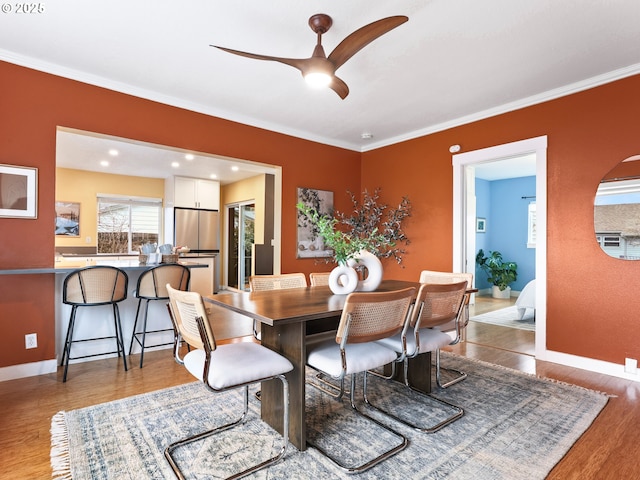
[(500, 202)]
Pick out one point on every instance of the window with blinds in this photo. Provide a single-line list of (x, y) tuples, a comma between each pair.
[(126, 223)]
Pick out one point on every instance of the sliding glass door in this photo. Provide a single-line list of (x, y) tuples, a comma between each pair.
[(241, 218)]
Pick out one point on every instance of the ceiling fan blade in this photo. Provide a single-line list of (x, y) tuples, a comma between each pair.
[(298, 63), (338, 86), (363, 37)]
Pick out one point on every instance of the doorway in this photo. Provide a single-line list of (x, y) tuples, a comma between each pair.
[(464, 215), (241, 219)]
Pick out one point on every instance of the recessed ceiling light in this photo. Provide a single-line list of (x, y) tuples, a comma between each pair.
[(213, 175), (366, 136), (175, 164), (104, 163), (113, 152), (235, 169), (189, 156)]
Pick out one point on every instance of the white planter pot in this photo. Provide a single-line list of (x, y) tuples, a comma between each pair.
[(497, 293)]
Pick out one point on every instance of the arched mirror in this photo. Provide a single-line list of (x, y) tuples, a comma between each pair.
[(617, 211)]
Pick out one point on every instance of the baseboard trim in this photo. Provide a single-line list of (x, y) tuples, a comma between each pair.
[(589, 364), (28, 370), (487, 292)]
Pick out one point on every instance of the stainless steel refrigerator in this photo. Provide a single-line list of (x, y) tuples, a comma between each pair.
[(197, 229)]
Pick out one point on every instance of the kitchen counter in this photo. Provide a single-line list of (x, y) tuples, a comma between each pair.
[(67, 266)]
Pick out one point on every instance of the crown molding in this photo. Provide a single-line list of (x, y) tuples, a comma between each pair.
[(121, 87), (563, 91), (126, 88)]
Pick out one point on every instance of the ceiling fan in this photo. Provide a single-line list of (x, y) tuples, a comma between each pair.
[(319, 70)]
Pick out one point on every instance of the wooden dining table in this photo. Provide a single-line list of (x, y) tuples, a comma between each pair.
[(287, 316)]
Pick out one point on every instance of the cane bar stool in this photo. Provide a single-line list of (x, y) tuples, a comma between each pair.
[(223, 367), (366, 318), (457, 326), (152, 286), (91, 287), (436, 304)]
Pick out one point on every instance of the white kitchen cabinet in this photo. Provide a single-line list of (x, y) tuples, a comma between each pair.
[(196, 193)]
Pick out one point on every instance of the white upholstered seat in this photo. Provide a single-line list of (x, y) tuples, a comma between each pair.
[(436, 304), (224, 367), (366, 318)]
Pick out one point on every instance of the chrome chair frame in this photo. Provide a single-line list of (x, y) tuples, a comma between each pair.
[(188, 305), (357, 328), (80, 295), (155, 291), (427, 311), (432, 276)]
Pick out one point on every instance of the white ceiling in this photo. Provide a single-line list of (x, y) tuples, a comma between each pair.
[(453, 62), (86, 151)]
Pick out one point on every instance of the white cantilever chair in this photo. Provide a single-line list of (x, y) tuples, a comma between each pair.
[(436, 304), (366, 317), (319, 278), (222, 368), (277, 282), (258, 283), (457, 326)]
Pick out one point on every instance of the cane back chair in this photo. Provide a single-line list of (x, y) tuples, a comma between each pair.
[(223, 367), (366, 318), (436, 305), (457, 327)]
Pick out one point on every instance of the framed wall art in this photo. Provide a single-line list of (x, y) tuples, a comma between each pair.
[(481, 225), (309, 243), (68, 219), (18, 192)]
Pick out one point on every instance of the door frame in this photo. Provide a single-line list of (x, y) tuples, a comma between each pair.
[(464, 223)]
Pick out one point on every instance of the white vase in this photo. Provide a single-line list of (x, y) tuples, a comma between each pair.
[(373, 275), (343, 280)]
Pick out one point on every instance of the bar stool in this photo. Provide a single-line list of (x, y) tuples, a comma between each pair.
[(90, 287), (152, 286)]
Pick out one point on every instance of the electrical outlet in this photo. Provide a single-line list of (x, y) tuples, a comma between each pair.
[(31, 340), (631, 366)]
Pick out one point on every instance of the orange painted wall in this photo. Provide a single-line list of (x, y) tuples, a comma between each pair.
[(33, 104), (592, 299)]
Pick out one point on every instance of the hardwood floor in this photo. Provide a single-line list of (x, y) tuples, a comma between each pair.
[(608, 450)]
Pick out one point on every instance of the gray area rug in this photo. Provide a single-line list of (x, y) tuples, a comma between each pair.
[(508, 317), (516, 426)]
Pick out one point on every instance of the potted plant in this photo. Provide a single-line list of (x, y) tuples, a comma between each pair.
[(347, 250), (360, 240), (345, 247), (500, 273)]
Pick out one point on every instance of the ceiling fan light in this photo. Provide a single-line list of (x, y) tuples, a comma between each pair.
[(318, 79)]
